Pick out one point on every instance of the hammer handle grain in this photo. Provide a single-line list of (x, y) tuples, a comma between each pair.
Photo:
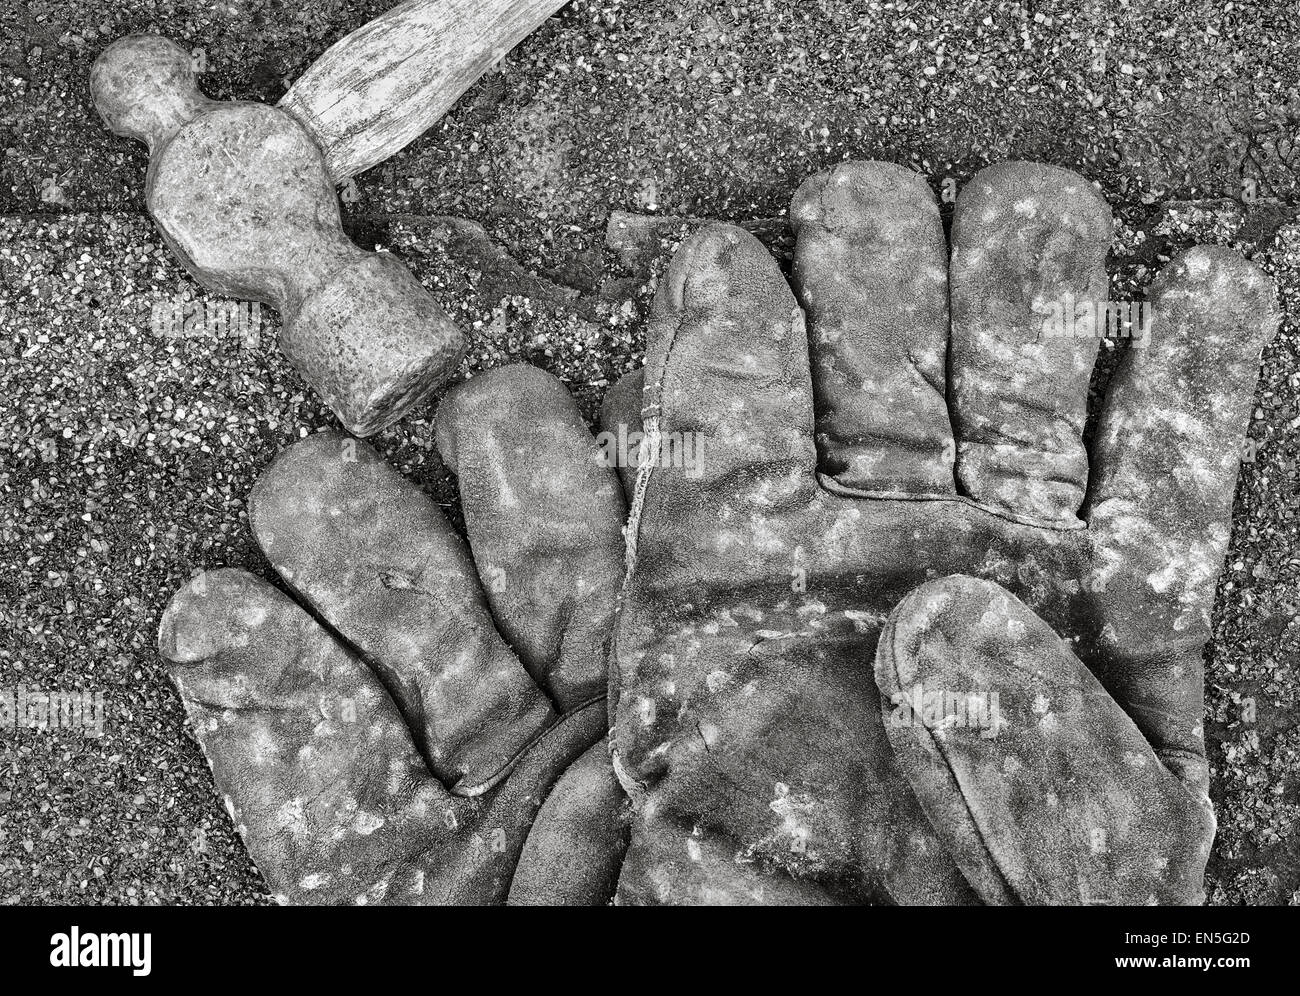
[(379, 88)]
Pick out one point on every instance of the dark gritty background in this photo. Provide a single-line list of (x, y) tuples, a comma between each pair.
[(125, 457)]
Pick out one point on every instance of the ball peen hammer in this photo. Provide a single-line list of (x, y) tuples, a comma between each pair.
[(244, 193)]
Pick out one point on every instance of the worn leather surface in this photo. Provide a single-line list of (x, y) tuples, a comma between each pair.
[(750, 726), (888, 632), (390, 730)]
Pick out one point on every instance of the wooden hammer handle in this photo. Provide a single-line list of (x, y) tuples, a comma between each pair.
[(379, 88)]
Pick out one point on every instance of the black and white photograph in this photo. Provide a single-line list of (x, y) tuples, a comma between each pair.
[(627, 453)]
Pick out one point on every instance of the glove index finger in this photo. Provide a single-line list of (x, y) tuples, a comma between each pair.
[(1171, 436), (544, 512), (1165, 465), (374, 556)]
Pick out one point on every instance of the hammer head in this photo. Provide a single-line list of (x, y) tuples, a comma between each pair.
[(143, 87), (241, 194), (372, 341)]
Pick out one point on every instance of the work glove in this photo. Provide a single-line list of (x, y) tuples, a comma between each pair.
[(416, 722), (891, 633)]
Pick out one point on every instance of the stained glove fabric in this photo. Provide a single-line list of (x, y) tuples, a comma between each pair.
[(410, 721), (892, 633)]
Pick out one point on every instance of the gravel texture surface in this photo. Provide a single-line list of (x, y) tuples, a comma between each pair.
[(126, 456)]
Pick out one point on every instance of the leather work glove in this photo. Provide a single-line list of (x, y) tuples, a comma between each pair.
[(394, 732), (890, 632)]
